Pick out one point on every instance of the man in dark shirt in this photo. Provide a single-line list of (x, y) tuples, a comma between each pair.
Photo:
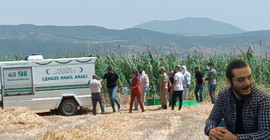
[(239, 128), (244, 108), (199, 84), (112, 83), (170, 86)]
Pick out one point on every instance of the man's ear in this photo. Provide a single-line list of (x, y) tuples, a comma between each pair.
[(229, 81)]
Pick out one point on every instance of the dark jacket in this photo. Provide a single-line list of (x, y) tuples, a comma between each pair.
[(255, 114)]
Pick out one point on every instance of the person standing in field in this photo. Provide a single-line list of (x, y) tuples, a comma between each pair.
[(170, 86), (163, 87), (144, 83), (187, 77), (212, 81), (178, 87), (95, 87), (244, 108), (112, 86), (135, 91), (199, 85)]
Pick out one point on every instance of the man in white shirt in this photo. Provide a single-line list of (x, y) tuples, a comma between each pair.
[(178, 87), (95, 87)]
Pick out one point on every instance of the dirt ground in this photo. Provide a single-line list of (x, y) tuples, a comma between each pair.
[(155, 123)]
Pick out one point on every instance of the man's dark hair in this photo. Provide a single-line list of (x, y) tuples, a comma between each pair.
[(135, 72), (210, 64), (234, 64), (94, 76), (109, 68)]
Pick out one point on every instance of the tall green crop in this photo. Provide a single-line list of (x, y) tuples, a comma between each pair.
[(123, 65)]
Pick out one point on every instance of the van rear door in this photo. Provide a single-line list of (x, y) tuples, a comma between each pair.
[(17, 81)]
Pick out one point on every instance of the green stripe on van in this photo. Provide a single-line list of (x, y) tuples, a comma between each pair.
[(50, 88), (15, 91)]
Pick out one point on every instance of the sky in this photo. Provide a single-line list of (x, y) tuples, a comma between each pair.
[(249, 15)]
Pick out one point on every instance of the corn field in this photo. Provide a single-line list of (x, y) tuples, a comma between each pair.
[(123, 65)]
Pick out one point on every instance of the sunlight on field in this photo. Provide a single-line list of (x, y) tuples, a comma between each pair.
[(155, 123)]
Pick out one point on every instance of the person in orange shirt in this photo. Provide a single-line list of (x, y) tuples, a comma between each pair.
[(144, 84), (135, 91)]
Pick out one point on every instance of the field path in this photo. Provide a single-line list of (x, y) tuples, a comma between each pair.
[(155, 123)]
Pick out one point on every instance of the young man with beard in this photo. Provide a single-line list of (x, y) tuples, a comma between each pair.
[(244, 108)]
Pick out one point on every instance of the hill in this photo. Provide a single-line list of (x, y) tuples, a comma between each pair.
[(191, 26), (78, 40)]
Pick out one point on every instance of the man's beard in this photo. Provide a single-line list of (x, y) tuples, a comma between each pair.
[(238, 92)]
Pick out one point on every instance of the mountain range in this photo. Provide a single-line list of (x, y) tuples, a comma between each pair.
[(53, 41), (191, 26)]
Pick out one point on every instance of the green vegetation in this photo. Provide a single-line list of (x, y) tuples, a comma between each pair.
[(124, 64)]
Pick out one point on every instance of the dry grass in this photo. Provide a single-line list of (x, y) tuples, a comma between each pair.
[(152, 124), (14, 118)]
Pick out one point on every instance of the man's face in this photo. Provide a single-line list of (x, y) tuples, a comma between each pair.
[(177, 69), (133, 75), (140, 70), (162, 71), (196, 70), (242, 81), (109, 71)]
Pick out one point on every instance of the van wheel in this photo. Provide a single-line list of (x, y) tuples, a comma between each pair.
[(68, 108)]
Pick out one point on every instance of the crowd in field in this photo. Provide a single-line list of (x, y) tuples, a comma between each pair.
[(172, 87), (243, 108)]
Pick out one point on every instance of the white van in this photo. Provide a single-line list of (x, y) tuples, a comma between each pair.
[(47, 84)]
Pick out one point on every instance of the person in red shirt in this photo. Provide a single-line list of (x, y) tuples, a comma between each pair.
[(135, 91)]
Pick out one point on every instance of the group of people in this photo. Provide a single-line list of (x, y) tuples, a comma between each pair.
[(112, 88), (174, 86), (140, 82), (200, 83), (244, 108)]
